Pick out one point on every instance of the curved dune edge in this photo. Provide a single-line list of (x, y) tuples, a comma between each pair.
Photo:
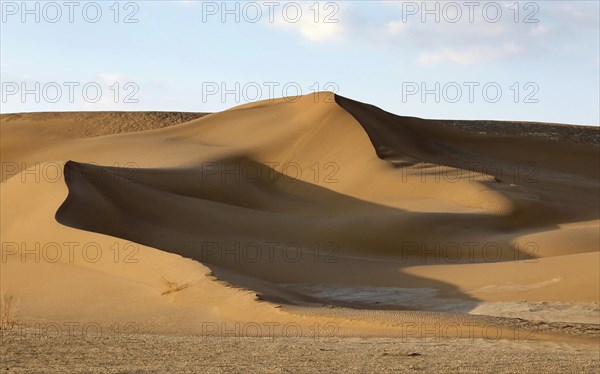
[(160, 292), (311, 133)]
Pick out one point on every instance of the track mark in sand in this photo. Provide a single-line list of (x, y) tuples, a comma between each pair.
[(172, 287)]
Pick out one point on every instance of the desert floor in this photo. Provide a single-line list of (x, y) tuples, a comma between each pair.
[(29, 351)]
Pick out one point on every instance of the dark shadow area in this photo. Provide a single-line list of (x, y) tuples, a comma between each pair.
[(559, 171), (275, 229)]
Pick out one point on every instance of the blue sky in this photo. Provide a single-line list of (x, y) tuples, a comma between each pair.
[(527, 60)]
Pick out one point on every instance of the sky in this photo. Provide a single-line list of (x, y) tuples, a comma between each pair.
[(500, 60)]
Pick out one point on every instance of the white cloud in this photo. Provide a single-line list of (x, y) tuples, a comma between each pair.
[(394, 28), (108, 78), (539, 30), (464, 42), (320, 27), (469, 55), (314, 32), (319, 32)]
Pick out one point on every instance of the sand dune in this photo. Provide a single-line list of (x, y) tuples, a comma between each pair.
[(172, 221)]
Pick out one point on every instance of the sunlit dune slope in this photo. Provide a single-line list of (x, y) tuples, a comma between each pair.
[(317, 189)]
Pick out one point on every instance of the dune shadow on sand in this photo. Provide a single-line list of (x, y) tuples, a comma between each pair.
[(280, 236), (262, 232), (555, 173)]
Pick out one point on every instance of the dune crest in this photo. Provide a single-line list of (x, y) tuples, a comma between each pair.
[(284, 197)]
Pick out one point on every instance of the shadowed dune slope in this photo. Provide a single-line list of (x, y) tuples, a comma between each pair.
[(317, 189)]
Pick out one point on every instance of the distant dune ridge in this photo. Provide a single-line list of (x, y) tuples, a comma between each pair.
[(281, 211)]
